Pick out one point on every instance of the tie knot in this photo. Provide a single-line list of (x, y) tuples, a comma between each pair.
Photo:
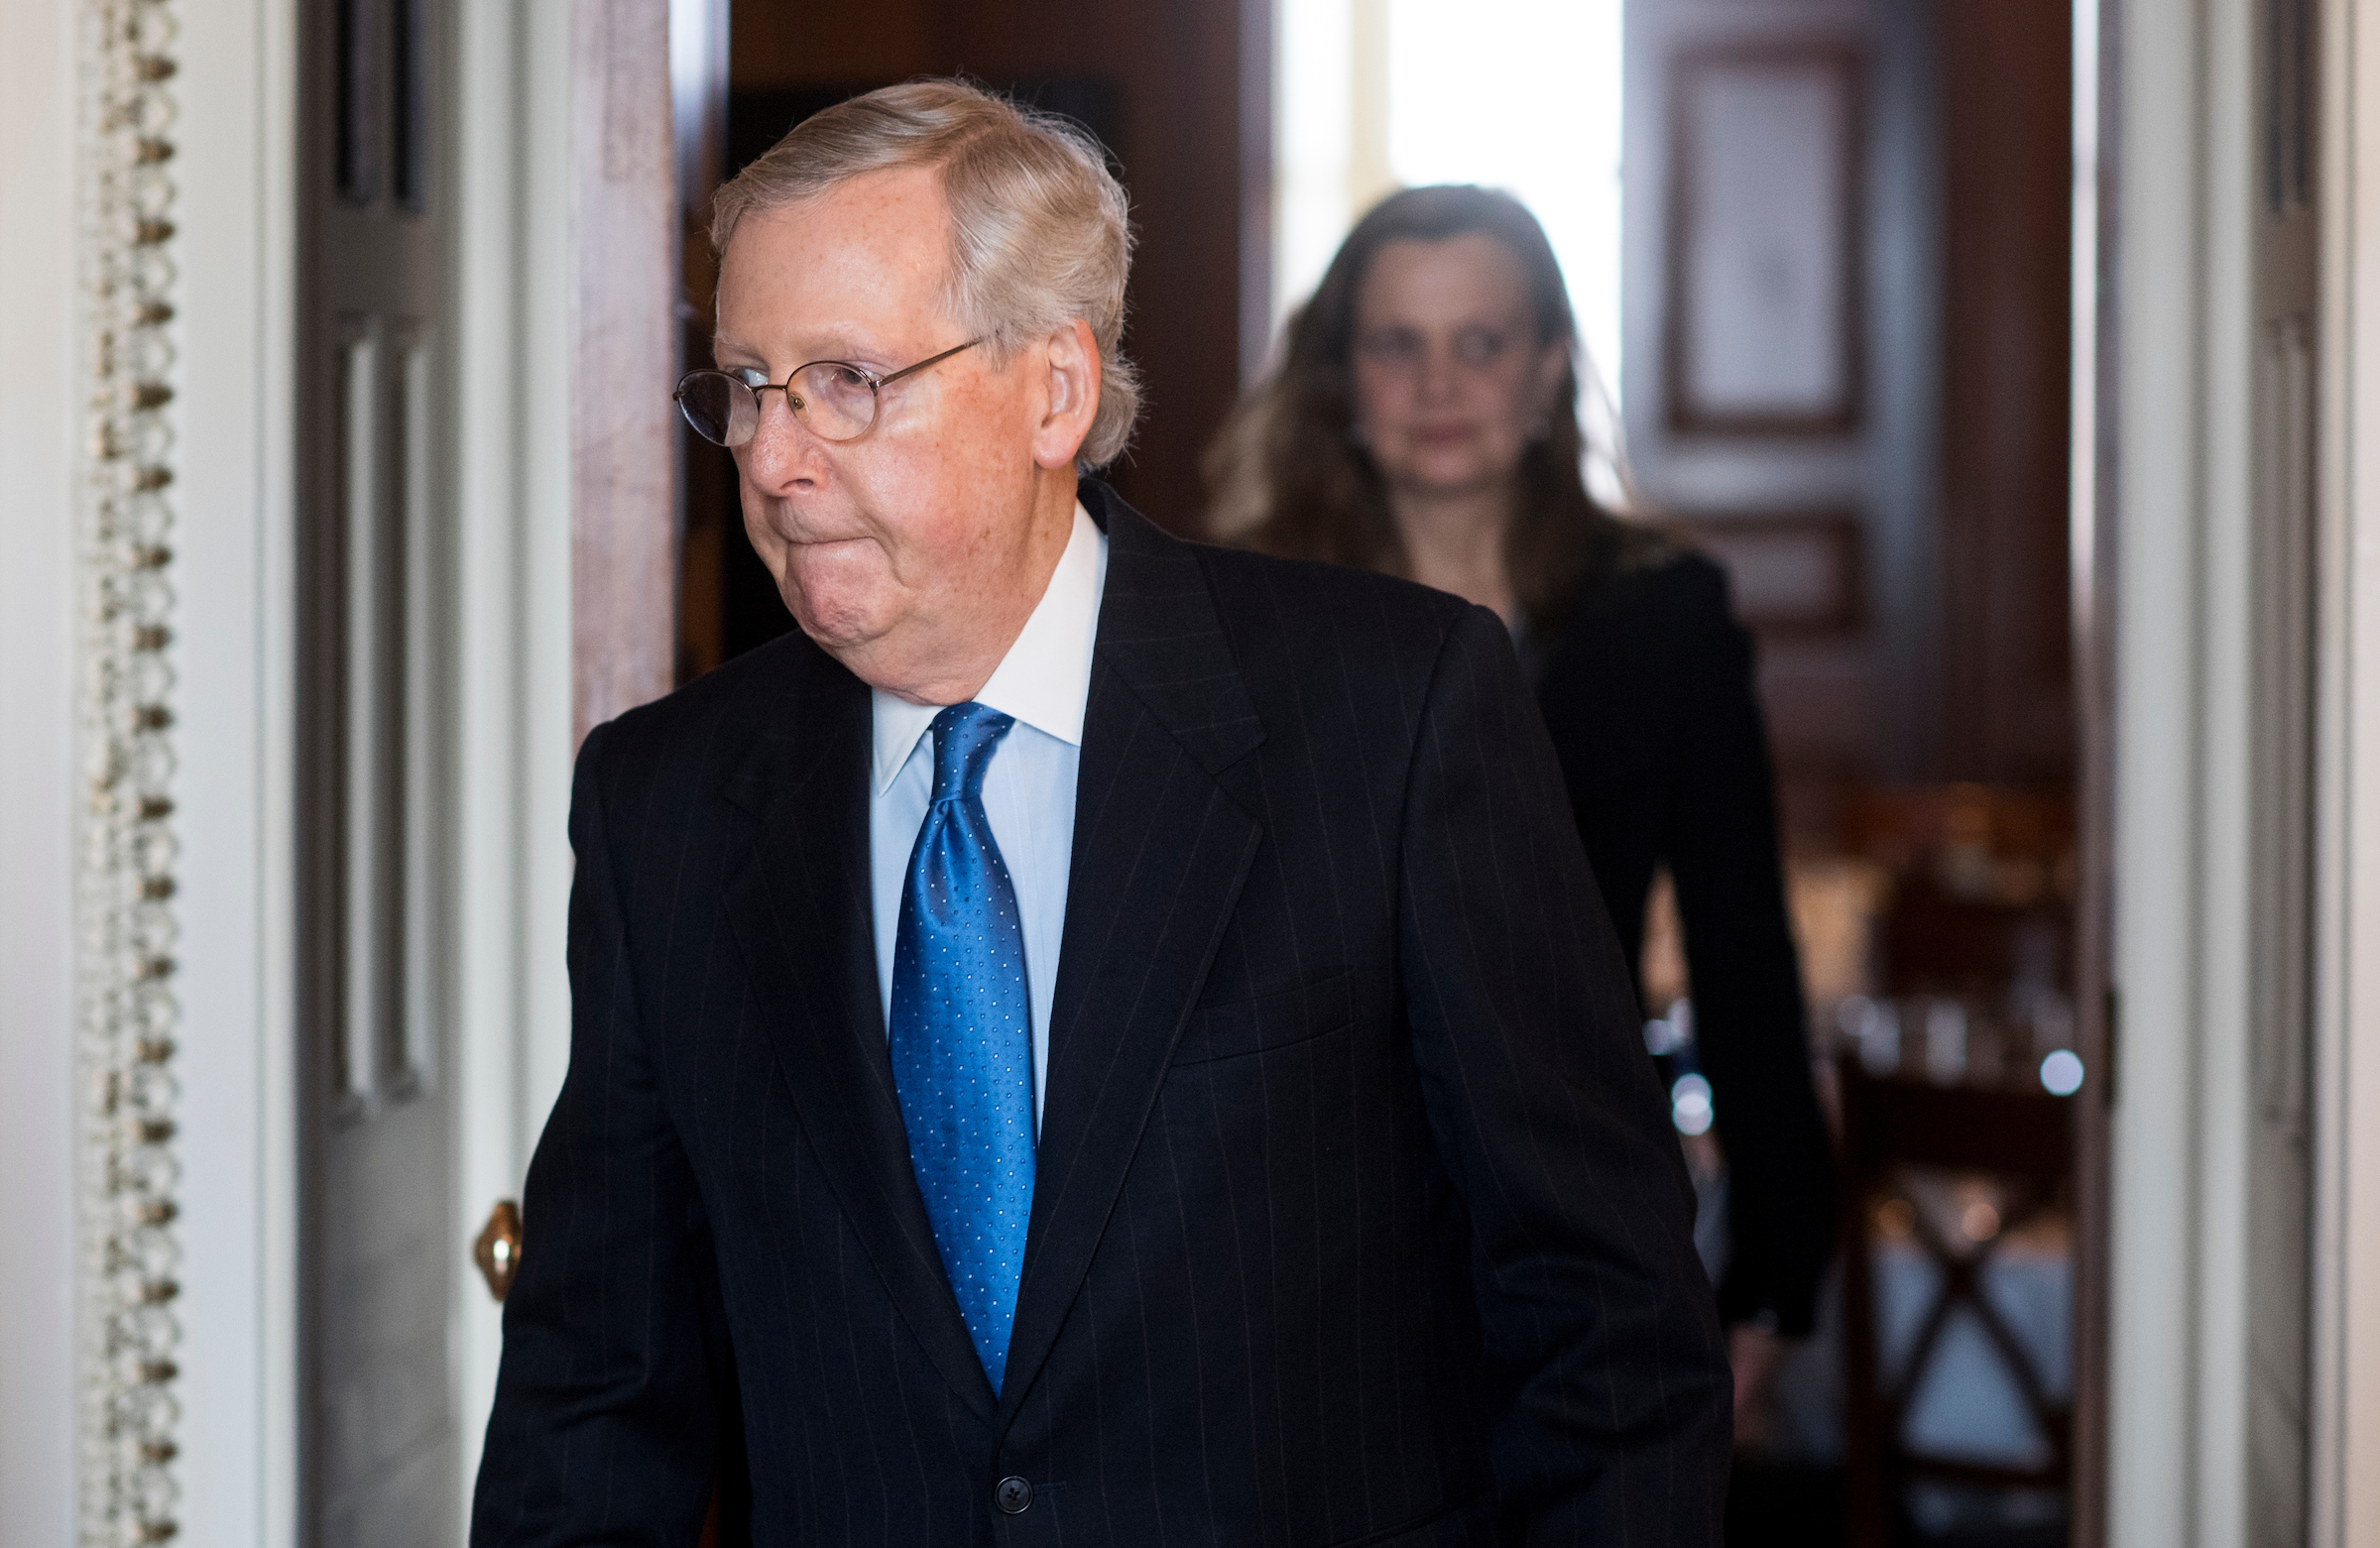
[(964, 736)]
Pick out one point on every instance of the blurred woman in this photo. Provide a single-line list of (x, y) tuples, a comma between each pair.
[(1423, 423)]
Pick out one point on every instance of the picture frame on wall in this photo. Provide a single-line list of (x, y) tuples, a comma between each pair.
[(1763, 274)]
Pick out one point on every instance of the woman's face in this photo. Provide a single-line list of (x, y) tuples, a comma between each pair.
[(1451, 384)]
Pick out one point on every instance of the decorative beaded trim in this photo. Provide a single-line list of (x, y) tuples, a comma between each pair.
[(127, 1012)]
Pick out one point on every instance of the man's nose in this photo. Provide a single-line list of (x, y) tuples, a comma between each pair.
[(783, 453)]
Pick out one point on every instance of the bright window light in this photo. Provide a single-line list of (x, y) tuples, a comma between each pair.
[(1522, 96), (1313, 138)]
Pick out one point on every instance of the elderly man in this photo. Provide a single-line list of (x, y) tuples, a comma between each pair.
[(1094, 1040)]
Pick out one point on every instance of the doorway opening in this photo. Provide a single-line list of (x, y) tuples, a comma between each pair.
[(1831, 280), (1825, 258)]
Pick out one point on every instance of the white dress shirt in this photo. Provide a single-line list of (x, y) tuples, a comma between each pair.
[(1043, 683)]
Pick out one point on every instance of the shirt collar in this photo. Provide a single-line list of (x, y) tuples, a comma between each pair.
[(1046, 678)]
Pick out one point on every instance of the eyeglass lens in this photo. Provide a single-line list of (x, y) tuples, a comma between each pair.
[(720, 407), (834, 400)]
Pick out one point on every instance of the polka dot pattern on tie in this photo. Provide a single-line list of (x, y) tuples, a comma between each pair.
[(962, 1044)]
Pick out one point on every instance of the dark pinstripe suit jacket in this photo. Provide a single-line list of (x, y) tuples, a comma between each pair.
[(1357, 1217)]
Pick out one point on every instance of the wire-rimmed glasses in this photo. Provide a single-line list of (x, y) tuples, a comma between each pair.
[(834, 398)]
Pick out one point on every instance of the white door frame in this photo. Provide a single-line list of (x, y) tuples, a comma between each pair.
[(2192, 1434), (2179, 403), (2345, 1423), (232, 146), (514, 695), (234, 172), (37, 461)]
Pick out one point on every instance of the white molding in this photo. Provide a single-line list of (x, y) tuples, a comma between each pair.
[(2152, 1194), (2179, 1460), (545, 501), (514, 717), (2345, 1423), (2204, 1446), (277, 1427), (37, 83), (2225, 962), (488, 108), (133, 777), (237, 217)]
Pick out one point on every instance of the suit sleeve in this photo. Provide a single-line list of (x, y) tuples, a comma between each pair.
[(1722, 845), (1610, 1388), (608, 1401)]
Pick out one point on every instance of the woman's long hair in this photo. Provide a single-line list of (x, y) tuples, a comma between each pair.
[(1287, 477)]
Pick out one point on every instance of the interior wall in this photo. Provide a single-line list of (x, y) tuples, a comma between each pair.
[(2007, 177), (36, 440), (233, 140), (1852, 700), (1906, 262), (1951, 472), (1175, 67)]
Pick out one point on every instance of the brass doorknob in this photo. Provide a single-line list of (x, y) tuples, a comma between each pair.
[(498, 1250)]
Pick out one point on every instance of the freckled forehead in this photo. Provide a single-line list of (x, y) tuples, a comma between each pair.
[(863, 263)]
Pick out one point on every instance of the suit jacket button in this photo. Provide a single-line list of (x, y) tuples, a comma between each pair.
[(1014, 1495)]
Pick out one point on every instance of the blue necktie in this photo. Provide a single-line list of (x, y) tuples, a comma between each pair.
[(962, 1036)]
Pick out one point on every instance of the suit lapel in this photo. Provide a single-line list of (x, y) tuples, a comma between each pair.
[(1160, 853), (803, 915)]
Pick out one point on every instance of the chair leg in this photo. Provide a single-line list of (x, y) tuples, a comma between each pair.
[(1865, 1412)]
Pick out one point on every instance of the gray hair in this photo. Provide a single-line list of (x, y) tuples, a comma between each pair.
[(1039, 228)]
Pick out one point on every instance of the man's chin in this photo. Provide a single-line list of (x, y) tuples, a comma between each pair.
[(845, 622), (839, 593), (840, 626)]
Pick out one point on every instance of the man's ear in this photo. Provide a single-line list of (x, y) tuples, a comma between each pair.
[(1071, 357)]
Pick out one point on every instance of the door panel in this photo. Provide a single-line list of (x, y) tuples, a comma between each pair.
[(2278, 1154), (379, 1237)]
